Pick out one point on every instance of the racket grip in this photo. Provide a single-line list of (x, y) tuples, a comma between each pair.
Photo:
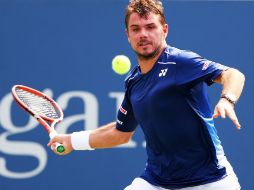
[(58, 146)]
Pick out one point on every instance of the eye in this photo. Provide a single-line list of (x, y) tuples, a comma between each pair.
[(150, 27), (135, 29)]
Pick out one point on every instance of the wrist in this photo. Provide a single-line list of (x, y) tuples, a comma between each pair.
[(80, 140), (230, 98)]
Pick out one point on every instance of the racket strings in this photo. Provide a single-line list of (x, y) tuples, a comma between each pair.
[(38, 104)]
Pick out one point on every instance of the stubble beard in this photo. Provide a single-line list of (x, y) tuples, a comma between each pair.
[(150, 55)]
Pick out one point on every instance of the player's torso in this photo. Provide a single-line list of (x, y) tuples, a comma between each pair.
[(162, 110), (178, 144)]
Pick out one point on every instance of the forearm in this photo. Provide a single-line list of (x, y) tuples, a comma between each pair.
[(108, 136), (232, 82), (232, 85)]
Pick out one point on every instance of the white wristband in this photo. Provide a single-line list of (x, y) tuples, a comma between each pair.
[(80, 140)]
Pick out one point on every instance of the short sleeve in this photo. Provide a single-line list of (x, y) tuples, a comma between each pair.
[(192, 68), (126, 121)]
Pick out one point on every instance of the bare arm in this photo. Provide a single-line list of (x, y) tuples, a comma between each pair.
[(106, 136), (232, 82)]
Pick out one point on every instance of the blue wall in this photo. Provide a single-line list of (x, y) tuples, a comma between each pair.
[(65, 48)]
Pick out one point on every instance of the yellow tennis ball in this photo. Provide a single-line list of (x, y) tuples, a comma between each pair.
[(121, 64)]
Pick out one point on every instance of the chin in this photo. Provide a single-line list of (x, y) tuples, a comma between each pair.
[(146, 52)]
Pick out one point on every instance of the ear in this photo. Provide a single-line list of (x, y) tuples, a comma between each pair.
[(127, 34), (165, 30)]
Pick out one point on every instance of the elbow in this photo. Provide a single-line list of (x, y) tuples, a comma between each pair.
[(126, 139), (235, 73), (122, 137), (241, 76)]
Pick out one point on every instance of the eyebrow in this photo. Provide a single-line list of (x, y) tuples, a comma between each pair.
[(151, 24), (136, 25)]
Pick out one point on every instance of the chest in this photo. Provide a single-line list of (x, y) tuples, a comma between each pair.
[(154, 85)]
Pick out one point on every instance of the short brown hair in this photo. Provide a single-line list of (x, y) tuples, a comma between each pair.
[(143, 8)]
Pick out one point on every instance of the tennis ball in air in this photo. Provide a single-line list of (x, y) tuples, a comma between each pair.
[(121, 64)]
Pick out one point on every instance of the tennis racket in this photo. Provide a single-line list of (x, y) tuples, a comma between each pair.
[(40, 106)]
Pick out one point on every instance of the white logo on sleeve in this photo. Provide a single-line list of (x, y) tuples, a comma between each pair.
[(163, 72), (120, 122), (167, 63), (205, 65)]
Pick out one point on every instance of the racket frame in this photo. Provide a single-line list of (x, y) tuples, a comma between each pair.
[(41, 118)]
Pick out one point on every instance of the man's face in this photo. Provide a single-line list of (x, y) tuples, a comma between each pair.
[(146, 34)]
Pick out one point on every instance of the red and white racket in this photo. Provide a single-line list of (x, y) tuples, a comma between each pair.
[(40, 106)]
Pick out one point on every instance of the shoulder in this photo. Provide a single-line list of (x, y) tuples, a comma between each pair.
[(187, 54), (180, 55)]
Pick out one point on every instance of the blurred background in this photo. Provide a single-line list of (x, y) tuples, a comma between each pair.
[(65, 48)]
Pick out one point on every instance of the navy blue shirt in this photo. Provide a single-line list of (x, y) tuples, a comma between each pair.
[(170, 104)]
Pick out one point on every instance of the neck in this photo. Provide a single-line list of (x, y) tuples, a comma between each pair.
[(147, 64)]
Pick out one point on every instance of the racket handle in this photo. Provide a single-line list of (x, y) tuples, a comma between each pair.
[(58, 146)]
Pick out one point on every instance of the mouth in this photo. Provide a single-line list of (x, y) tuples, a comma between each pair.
[(143, 43)]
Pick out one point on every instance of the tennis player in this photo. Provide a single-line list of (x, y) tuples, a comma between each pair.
[(166, 95)]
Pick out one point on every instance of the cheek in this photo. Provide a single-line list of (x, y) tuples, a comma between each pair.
[(159, 36), (133, 40)]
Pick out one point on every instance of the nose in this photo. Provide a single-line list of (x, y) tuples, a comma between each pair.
[(143, 33)]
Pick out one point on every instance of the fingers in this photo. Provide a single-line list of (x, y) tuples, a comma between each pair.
[(231, 114), (63, 140), (53, 145), (219, 111), (52, 141), (224, 109), (216, 113)]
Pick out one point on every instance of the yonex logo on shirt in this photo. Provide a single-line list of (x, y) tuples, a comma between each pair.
[(163, 72)]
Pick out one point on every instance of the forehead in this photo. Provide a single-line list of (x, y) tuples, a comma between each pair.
[(136, 20)]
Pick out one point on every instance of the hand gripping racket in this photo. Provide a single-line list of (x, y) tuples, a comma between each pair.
[(40, 106)]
